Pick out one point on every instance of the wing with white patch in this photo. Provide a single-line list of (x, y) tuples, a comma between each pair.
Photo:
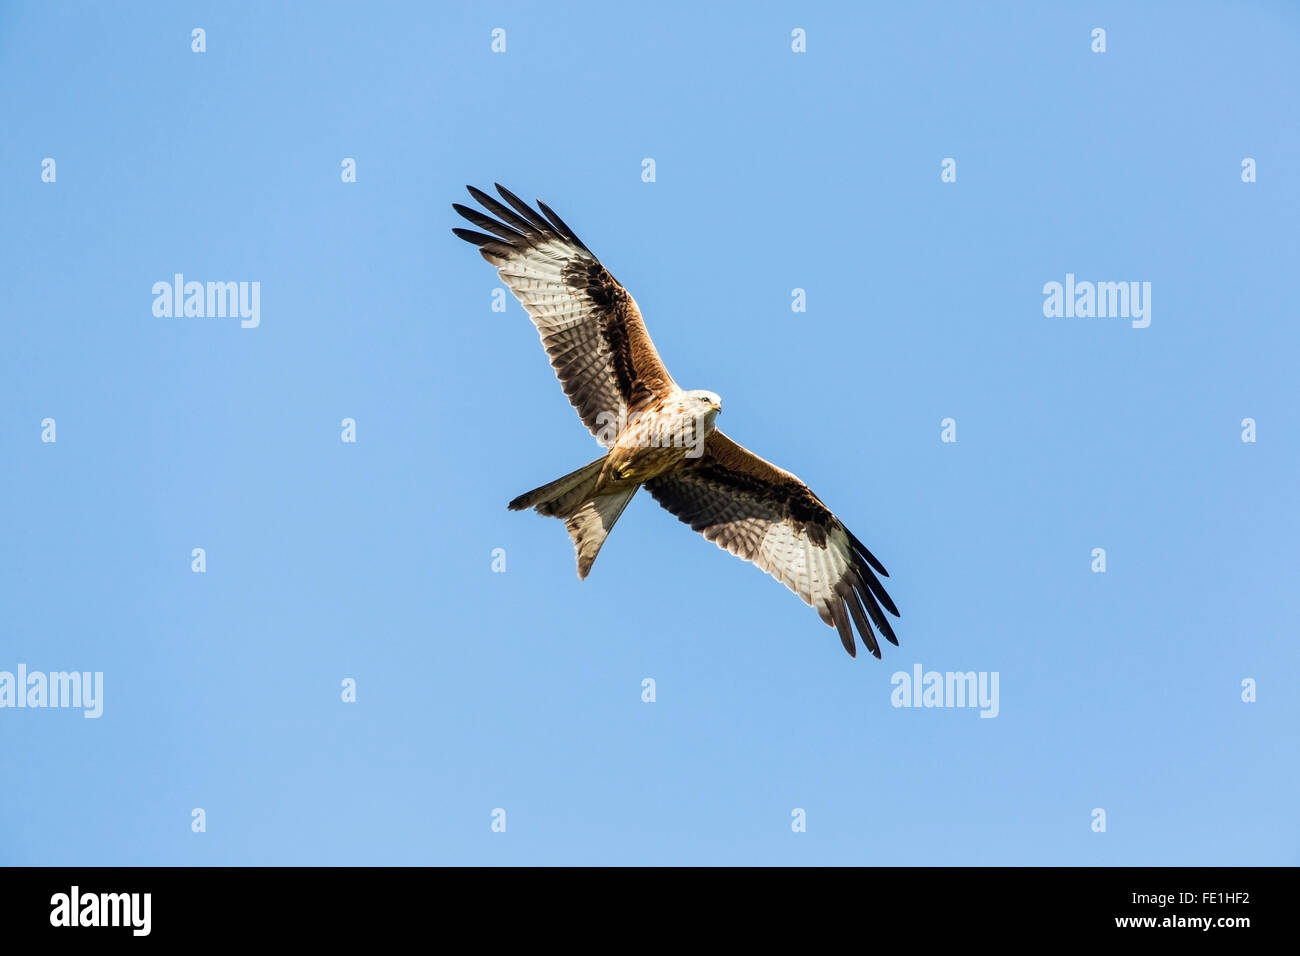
[(588, 323), (766, 515)]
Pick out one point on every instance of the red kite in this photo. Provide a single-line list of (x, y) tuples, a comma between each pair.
[(661, 436)]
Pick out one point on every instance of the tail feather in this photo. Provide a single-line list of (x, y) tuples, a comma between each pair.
[(588, 516), (561, 497), (590, 525)]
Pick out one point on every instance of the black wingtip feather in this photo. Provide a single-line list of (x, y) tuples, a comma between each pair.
[(488, 223), (524, 225), (562, 226), (840, 615), (519, 222), (860, 619), (525, 210), (867, 556), (469, 235), (873, 584)]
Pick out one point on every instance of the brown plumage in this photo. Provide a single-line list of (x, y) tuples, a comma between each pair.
[(590, 326), (596, 340)]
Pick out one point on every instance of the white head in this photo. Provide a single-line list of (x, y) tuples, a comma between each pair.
[(703, 407), (704, 402)]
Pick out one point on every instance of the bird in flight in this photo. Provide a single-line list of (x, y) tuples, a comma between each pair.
[(661, 436)]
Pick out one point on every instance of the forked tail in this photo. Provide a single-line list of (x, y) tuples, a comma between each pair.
[(588, 516)]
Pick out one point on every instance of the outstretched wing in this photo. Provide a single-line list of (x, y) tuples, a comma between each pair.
[(589, 324), (766, 515)]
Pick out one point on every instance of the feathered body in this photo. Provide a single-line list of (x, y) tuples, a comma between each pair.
[(661, 437)]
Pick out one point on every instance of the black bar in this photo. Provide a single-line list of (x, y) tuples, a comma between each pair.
[(377, 904)]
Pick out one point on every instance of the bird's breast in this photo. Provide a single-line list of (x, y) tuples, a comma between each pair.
[(657, 441)]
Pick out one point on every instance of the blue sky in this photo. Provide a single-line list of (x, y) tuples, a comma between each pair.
[(521, 690)]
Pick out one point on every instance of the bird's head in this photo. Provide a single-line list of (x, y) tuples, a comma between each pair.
[(702, 406), (704, 401)]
